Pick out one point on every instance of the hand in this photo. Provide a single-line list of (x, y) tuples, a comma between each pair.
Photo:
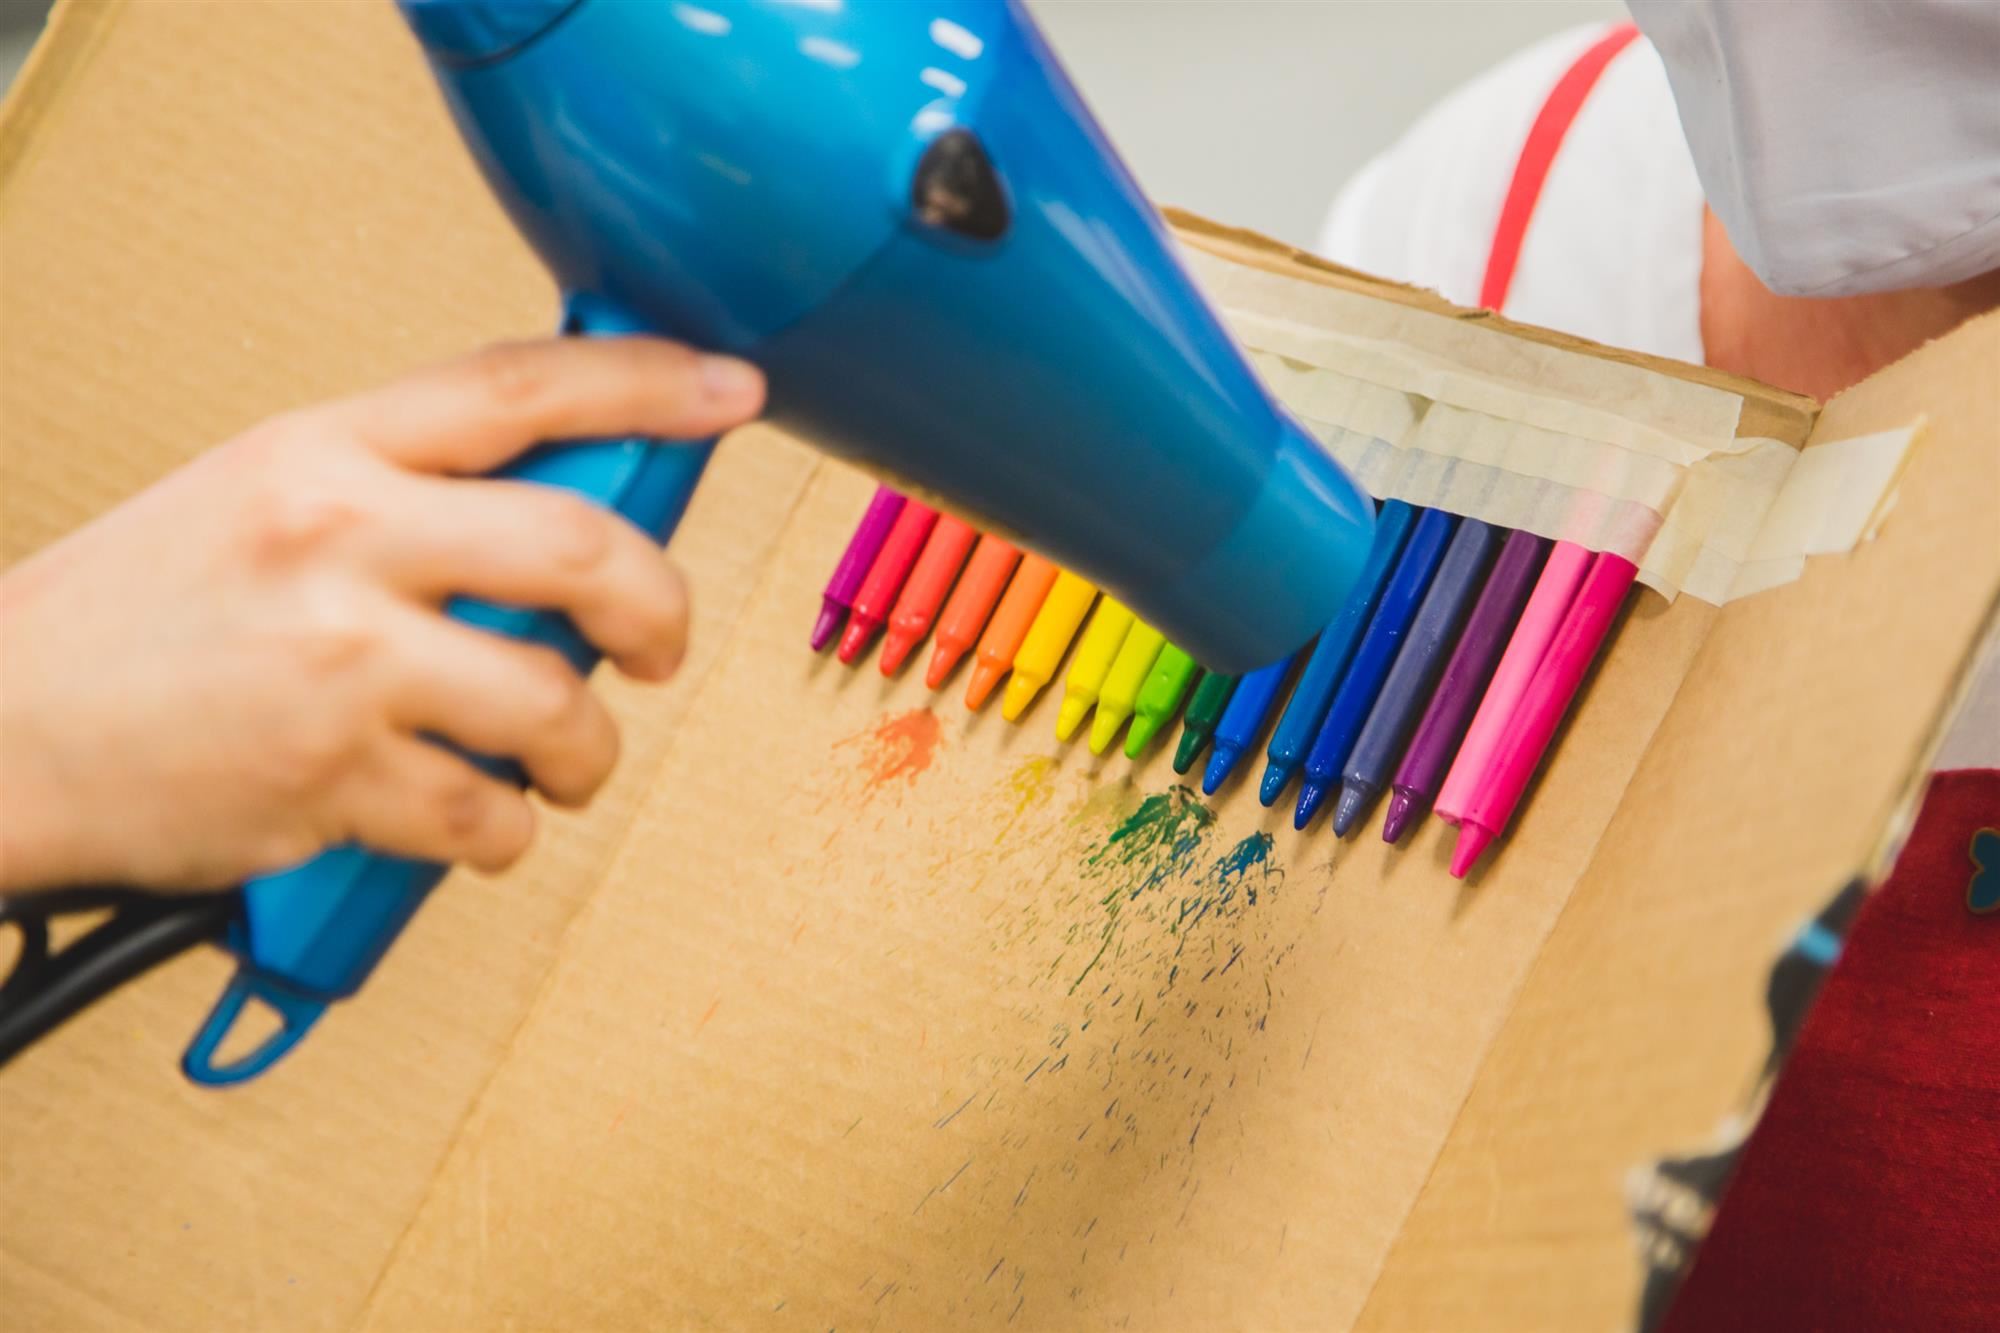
[(235, 669)]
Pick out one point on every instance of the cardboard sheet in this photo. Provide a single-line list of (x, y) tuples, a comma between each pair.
[(843, 1007)]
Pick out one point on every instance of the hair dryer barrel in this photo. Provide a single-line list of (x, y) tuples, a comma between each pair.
[(906, 214)]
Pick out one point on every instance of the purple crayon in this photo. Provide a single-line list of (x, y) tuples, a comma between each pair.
[(1372, 762), (1463, 684), (861, 551)]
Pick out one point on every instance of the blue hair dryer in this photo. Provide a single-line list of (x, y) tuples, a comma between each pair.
[(902, 211)]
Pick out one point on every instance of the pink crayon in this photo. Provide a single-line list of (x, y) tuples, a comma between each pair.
[(1540, 618), (855, 561), (1527, 736)]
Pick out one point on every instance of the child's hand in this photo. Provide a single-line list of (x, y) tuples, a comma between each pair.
[(234, 669)]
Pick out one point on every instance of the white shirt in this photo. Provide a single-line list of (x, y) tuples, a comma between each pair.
[(1612, 252)]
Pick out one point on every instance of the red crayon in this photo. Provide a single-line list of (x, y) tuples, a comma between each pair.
[(885, 578), (972, 601), (917, 608)]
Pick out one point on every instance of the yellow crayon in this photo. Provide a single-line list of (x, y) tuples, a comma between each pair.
[(1121, 684), (1048, 639), (1101, 641)]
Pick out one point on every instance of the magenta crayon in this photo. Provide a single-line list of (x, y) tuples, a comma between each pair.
[(1528, 733), (917, 605), (877, 597), (1459, 689), (1407, 688), (1540, 618), (861, 551)]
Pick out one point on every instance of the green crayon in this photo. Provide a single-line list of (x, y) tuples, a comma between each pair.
[(1159, 698)]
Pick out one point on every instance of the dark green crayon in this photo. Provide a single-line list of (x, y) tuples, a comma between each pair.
[(1211, 696)]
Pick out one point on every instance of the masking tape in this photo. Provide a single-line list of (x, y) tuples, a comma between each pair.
[(1615, 457)]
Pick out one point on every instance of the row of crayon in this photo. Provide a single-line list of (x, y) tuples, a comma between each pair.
[(1441, 682)]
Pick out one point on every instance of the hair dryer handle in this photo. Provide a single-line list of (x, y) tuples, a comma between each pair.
[(311, 935)]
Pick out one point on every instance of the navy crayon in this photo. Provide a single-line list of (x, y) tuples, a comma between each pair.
[(1407, 687), (1306, 709), (1372, 659), (1241, 722)]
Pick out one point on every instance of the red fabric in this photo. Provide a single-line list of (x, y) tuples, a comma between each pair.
[(1868, 1197), (1538, 154)]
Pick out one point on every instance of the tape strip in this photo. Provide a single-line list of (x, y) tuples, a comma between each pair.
[(1612, 456)]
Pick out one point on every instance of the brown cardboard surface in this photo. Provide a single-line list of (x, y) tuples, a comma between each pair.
[(1792, 750), (843, 1007), (203, 222)]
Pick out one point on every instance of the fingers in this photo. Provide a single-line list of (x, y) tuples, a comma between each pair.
[(475, 414), (422, 801), (529, 545), (494, 696)]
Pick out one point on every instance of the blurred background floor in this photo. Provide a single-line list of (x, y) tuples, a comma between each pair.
[(1247, 111)]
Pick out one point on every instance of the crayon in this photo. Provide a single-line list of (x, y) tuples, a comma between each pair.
[(877, 597), (971, 603), (1306, 709), (1211, 697), (1528, 733), (1142, 647), (1237, 729), (917, 608), (1554, 590), (1009, 626), (1102, 638), (1159, 698), (1464, 679), (1372, 659), (1041, 653), (1371, 764), (862, 547)]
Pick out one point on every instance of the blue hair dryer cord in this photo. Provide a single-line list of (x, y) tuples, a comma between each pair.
[(309, 936)]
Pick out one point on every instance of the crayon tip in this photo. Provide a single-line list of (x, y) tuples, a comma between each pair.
[(1404, 811), (985, 678), (1074, 709), (1021, 691), (944, 658), (1220, 764), (854, 639), (1352, 806), (1141, 735), (831, 613), (896, 646), (1104, 729), (1472, 841), (1311, 793), (1191, 745), (1277, 777)]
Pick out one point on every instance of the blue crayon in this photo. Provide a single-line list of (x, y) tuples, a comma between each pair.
[(1307, 707), (1372, 659), (1243, 720), (1371, 764)]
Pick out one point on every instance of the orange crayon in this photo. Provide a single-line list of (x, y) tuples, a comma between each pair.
[(1009, 626), (972, 601), (917, 606)]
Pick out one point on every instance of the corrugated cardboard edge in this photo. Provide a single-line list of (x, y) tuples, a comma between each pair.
[(1766, 411)]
